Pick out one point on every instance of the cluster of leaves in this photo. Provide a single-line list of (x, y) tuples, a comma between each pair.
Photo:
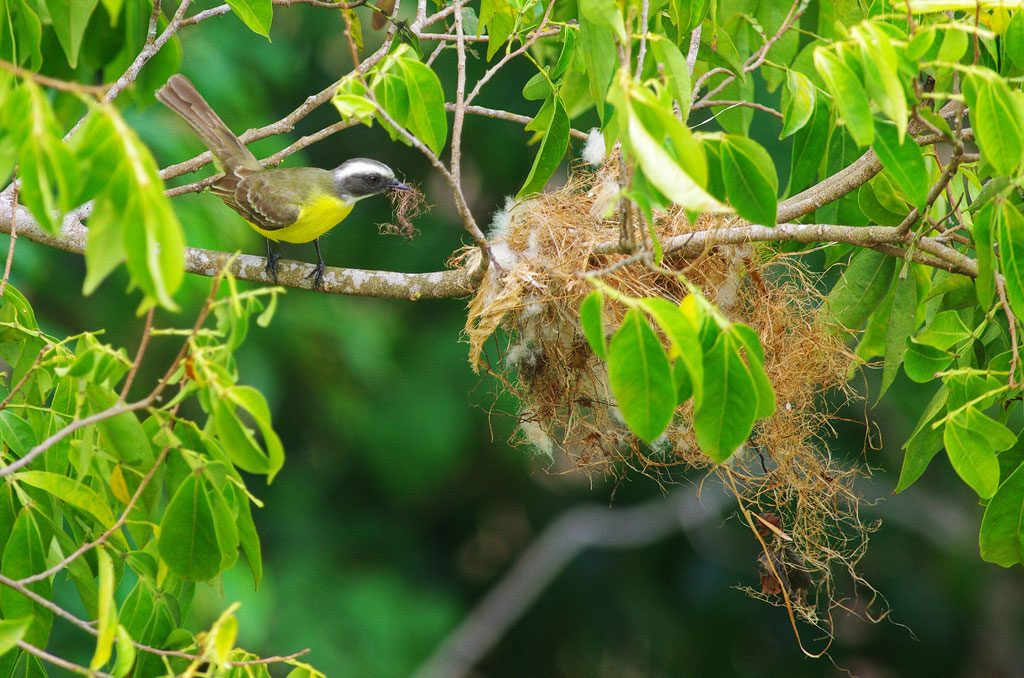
[(184, 508), (854, 78), (104, 162), (407, 90), (717, 363), (50, 37)]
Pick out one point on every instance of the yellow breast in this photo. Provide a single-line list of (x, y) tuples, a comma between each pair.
[(314, 220)]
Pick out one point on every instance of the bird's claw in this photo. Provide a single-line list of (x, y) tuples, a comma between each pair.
[(317, 274), (271, 267)]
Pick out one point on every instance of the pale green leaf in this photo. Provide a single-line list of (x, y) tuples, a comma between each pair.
[(256, 14), (797, 103), (848, 94)]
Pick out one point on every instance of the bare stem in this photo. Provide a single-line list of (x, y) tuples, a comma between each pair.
[(14, 235)]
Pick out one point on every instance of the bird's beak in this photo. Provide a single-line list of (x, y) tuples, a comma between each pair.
[(399, 186)]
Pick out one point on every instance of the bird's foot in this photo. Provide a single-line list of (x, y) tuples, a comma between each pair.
[(317, 274), (271, 267)]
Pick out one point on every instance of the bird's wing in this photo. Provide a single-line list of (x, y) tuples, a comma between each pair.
[(259, 199)]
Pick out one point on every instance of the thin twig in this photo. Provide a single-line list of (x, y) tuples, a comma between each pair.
[(642, 49), (751, 104), (46, 81), (154, 22), (511, 117), (755, 60), (691, 54), (13, 234), (59, 661), (143, 342), (527, 44), (1011, 320), (460, 95), (28, 373)]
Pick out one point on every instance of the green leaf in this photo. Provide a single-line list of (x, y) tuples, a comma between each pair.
[(125, 653), (29, 666), (971, 453), (25, 555), (592, 320), (751, 343), (537, 87), (76, 494), (903, 161), (132, 216), (567, 36), (880, 65), (808, 151), (256, 14), (238, 440), (227, 530), (11, 631), (750, 180), (46, 166), (921, 362), (663, 171), (681, 327), (848, 94), (924, 443), (798, 101), (122, 435), (20, 43), (107, 615), (250, 541), (352, 104), (944, 331), (598, 49), (1013, 43), (605, 13), (427, 118), (996, 122), (902, 323), (985, 221), (864, 283), (920, 43), (718, 48), (392, 94), (70, 17), (640, 377), (188, 535), (725, 417), (1010, 236), (668, 55), (551, 151), (1002, 528), (499, 17), (16, 433)]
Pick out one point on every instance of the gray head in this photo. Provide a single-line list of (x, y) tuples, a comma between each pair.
[(359, 177)]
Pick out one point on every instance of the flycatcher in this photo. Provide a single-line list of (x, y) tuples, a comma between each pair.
[(292, 204)]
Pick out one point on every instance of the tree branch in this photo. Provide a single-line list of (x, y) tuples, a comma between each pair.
[(349, 281)]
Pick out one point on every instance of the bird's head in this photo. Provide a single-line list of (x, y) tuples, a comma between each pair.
[(360, 177)]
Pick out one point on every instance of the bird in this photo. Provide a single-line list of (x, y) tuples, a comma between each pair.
[(290, 204)]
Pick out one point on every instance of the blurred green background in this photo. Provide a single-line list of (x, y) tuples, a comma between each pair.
[(401, 502)]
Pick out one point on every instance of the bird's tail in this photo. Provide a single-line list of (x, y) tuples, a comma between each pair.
[(229, 153)]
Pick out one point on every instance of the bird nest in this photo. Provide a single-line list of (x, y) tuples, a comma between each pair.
[(528, 305)]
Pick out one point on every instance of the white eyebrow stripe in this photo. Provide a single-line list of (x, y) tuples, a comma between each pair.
[(360, 166)]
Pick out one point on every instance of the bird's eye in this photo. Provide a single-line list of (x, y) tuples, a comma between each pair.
[(374, 179)]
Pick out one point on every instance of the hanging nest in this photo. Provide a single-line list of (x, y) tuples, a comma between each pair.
[(784, 476)]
